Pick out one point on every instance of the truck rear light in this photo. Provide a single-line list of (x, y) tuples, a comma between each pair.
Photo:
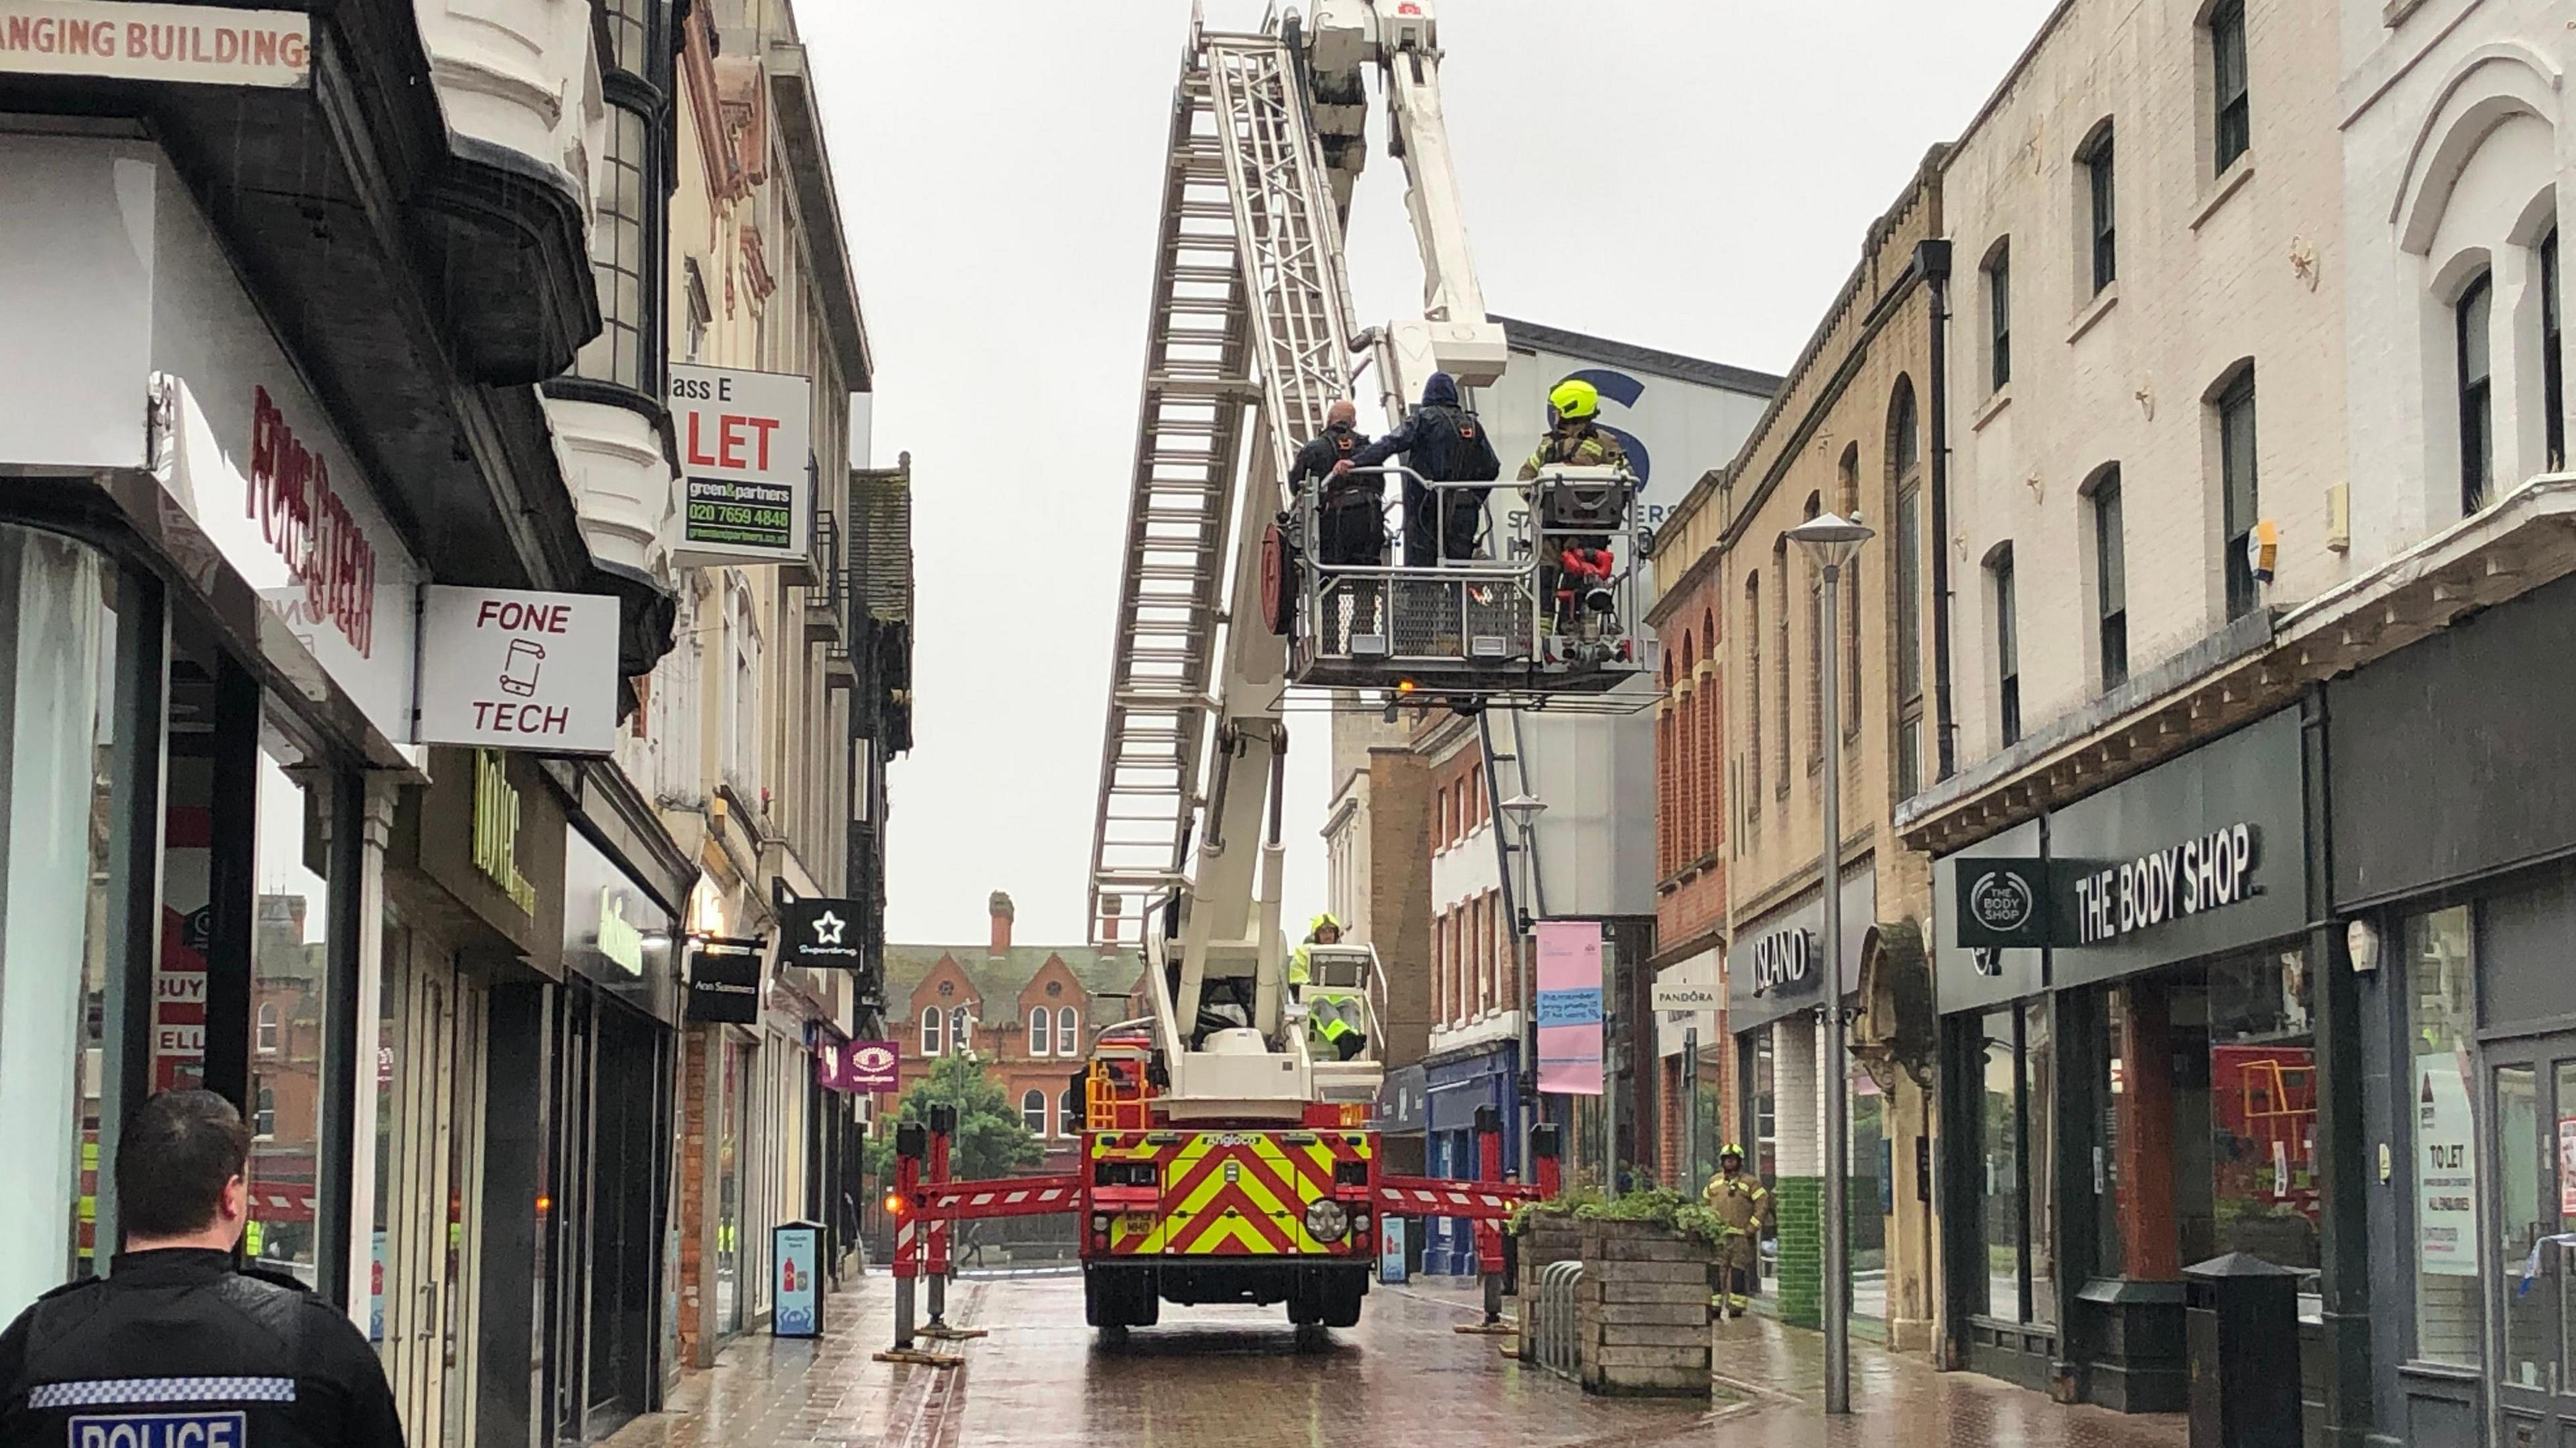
[(1350, 1173)]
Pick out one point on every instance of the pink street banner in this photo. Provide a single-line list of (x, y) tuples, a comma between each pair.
[(1569, 1007)]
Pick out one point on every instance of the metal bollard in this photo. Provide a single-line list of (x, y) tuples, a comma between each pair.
[(910, 1146)]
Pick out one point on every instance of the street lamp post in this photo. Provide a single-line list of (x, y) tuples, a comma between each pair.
[(1522, 810), (1831, 542)]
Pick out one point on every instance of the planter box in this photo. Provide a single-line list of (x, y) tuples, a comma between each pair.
[(1550, 1239), (1642, 1311)]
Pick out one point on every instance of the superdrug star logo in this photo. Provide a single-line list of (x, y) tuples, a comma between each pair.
[(827, 929)]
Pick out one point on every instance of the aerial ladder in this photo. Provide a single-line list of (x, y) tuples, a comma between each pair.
[(1228, 1154)]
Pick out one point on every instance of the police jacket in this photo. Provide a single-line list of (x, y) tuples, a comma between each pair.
[(1440, 439), (1315, 461), (176, 1348)]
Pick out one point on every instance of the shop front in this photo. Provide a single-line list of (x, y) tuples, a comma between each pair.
[(1458, 1084), (2136, 1054), (201, 659), (1692, 1048), (472, 927), (1776, 997), (2453, 782)]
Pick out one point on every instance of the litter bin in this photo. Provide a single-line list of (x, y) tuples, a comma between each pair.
[(2241, 1330), (796, 1285)]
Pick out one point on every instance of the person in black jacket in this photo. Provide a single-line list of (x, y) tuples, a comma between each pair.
[(1350, 525), (1444, 443), (177, 1347)]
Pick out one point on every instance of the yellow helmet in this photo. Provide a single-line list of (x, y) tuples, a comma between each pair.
[(1575, 397)]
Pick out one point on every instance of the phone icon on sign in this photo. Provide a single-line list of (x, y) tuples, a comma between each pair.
[(519, 669)]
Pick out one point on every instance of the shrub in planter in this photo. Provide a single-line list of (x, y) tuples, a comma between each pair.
[(1642, 1313)]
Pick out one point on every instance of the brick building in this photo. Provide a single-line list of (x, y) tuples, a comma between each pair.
[(1690, 860), (1028, 1012)]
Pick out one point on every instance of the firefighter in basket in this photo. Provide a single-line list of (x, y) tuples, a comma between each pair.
[(1336, 1019), (1742, 1205), (1575, 583)]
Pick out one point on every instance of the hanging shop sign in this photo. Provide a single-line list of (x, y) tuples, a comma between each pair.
[(745, 441), (860, 1067), (118, 40), (615, 932), (506, 669), (1777, 966), (2003, 903), (724, 981), (1985, 949), (1569, 1007), (819, 934)]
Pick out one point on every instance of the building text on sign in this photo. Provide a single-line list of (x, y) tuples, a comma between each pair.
[(496, 831), (2195, 876), (310, 527), (1783, 959), (156, 42)]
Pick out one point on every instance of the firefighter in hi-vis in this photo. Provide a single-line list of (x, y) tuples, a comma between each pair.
[(1742, 1206)]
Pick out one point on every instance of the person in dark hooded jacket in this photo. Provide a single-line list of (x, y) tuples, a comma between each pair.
[(1444, 443)]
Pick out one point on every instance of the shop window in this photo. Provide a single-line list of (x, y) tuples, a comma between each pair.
[(268, 1028), (1039, 1022), (2261, 1104), (2439, 1086), (2472, 317), (1068, 1032), (1033, 1111), (2018, 1065), (931, 1020), (289, 955)]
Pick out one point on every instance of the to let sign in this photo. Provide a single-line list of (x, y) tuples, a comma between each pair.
[(745, 441), (504, 669), (134, 41)]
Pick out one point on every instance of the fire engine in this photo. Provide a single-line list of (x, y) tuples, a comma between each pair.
[(1229, 1155)]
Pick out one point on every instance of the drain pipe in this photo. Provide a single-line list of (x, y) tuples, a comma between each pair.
[(1932, 264)]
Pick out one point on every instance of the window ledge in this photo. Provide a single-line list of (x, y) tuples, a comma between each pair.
[(1987, 409), (2101, 305), (2395, 11), (2226, 186)]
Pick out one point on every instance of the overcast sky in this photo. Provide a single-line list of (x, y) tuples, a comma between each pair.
[(1693, 175)]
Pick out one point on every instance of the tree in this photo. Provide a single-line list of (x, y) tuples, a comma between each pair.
[(991, 1139)]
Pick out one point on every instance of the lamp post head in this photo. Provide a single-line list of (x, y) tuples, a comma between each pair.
[(1522, 806), (1830, 540)]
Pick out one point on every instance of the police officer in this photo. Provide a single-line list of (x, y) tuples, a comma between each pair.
[(1444, 443), (1350, 524), (1741, 1204), (177, 1346)]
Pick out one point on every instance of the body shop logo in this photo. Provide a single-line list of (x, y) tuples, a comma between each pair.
[(2198, 875), (1783, 960), (310, 527), (2003, 901)]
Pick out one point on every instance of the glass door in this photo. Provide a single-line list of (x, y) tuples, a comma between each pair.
[(434, 1035), (2531, 1115)]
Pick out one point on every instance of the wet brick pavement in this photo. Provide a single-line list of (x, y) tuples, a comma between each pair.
[(1239, 1377)]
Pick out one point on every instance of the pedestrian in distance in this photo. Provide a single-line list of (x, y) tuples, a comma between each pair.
[(1742, 1205), (1442, 442), (178, 1347), (1350, 523)]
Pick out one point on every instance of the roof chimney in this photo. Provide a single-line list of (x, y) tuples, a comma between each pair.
[(1002, 916), (1110, 905)]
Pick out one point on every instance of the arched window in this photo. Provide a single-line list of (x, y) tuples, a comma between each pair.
[(930, 1019), (1710, 797), (268, 1028), (2472, 318), (1668, 778), (1068, 1032), (1815, 651), (1847, 503), (1033, 1112), (1905, 496), (1037, 1030), (1068, 1120), (263, 1111), (1753, 697)]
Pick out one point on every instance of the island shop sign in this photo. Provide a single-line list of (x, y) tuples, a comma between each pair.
[(2023, 903)]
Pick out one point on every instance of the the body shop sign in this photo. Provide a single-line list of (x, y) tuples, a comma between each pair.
[(745, 441)]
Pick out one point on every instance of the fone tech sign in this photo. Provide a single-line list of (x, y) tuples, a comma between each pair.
[(507, 669), (745, 441)]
